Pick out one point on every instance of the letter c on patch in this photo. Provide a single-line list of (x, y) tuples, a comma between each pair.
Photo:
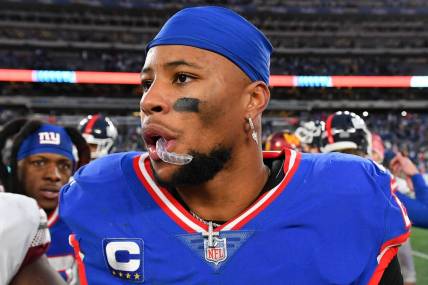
[(131, 247)]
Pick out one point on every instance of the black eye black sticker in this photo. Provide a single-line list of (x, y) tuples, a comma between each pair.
[(187, 105)]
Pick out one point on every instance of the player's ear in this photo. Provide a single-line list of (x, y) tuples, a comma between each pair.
[(257, 98)]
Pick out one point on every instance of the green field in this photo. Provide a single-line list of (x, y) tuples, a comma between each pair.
[(419, 240)]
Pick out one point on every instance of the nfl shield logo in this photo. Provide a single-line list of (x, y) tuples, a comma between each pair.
[(216, 253)]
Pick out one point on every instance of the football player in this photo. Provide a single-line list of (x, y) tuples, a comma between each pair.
[(41, 161), (349, 134), (309, 133), (346, 132), (24, 238), (100, 133), (204, 205)]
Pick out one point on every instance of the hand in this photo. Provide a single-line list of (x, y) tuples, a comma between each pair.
[(403, 164)]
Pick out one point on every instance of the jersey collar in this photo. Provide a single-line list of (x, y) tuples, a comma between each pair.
[(184, 219)]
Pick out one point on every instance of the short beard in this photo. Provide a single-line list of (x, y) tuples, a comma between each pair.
[(201, 169)]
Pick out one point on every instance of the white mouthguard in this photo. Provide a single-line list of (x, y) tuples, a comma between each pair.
[(171, 157)]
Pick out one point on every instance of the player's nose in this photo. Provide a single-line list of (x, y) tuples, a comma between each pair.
[(52, 173)]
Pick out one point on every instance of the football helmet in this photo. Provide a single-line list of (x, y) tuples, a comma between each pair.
[(309, 133), (280, 140), (100, 133), (344, 131)]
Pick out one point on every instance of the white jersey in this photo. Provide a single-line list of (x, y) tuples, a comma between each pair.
[(24, 235)]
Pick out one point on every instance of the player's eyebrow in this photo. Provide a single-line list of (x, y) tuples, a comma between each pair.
[(173, 64), (177, 63)]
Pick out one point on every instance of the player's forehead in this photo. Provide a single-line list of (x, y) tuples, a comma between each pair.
[(48, 156), (173, 57)]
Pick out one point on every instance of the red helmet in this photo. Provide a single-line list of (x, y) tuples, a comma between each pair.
[(280, 140)]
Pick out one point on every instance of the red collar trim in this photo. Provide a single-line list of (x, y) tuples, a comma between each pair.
[(190, 224)]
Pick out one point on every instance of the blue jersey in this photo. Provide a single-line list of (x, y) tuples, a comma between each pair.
[(332, 220), (60, 252)]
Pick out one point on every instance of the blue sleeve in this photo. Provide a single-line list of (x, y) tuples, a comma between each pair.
[(421, 188), (416, 210)]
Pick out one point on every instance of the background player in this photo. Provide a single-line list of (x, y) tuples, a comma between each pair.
[(309, 134), (416, 197), (347, 132), (279, 140), (100, 133), (41, 162), (24, 238)]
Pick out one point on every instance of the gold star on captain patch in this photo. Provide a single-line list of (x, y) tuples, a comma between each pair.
[(113, 272), (128, 275), (136, 276), (120, 274)]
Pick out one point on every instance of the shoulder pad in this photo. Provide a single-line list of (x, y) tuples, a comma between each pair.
[(102, 169)]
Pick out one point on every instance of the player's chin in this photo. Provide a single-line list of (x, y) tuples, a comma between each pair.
[(164, 180), (163, 170), (47, 204)]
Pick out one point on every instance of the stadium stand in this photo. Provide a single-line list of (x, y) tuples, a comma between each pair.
[(88, 35), (311, 37)]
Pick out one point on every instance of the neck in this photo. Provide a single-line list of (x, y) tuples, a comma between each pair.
[(231, 191)]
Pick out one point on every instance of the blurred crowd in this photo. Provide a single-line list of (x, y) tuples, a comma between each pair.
[(400, 131), (287, 64), (270, 4), (84, 37)]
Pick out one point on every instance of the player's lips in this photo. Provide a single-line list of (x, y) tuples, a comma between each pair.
[(151, 133), (49, 192)]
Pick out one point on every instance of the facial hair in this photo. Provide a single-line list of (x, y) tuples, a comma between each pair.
[(201, 169)]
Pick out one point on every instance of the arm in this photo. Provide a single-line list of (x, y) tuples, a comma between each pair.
[(401, 164), (417, 211), (38, 272), (421, 188)]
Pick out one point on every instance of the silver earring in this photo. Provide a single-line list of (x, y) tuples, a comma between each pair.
[(253, 130)]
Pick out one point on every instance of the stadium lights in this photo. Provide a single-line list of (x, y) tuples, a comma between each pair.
[(133, 78)]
